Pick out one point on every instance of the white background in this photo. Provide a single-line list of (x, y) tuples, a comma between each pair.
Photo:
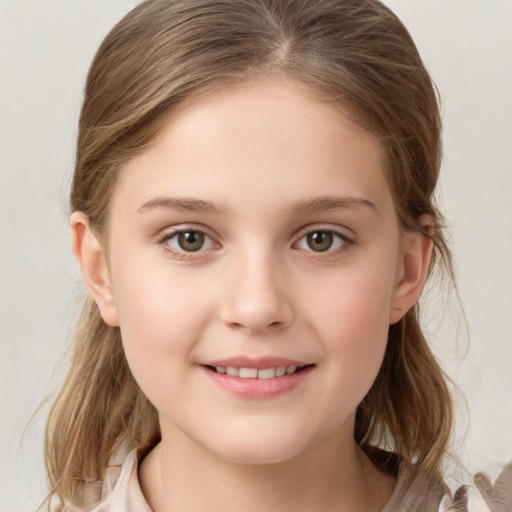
[(45, 50)]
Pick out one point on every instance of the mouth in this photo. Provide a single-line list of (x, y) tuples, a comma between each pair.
[(259, 378), (255, 373)]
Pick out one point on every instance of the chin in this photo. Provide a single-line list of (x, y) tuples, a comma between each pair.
[(258, 455), (256, 448)]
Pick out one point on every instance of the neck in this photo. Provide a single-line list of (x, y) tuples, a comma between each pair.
[(335, 475)]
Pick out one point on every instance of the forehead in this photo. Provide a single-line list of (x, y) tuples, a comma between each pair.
[(271, 137)]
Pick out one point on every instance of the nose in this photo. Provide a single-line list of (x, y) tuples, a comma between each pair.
[(256, 297)]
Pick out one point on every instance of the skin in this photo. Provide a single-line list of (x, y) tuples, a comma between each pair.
[(264, 155)]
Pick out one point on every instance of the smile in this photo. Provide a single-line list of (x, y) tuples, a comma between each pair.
[(254, 373), (257, 379)]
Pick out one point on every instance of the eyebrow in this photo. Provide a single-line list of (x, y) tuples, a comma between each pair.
[(185, 205), (327, 203), (315, 205)]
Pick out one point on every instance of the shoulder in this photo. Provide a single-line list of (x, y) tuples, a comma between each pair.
[(121, 489), (479, 494)]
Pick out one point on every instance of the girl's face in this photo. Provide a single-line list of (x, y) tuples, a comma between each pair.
[(257, 236)]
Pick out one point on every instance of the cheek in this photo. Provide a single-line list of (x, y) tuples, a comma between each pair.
[(353, 323), (161, 318), (354, 300)]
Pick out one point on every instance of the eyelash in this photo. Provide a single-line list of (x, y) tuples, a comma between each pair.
[(339, 237), (342, 241), (181, 253)]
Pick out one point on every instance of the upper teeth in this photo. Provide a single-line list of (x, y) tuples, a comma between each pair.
[(254, 373)]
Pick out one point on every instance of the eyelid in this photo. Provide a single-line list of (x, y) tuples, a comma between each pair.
[(346, 235), (348, 238), (344, 232), (173, 231)]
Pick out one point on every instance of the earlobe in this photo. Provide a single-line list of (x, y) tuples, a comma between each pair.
[(416, 257), (91, 259)]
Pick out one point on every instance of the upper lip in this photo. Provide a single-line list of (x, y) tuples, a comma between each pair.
[(259, 363)]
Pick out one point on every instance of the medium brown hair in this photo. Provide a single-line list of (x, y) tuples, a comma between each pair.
[(353, 53)]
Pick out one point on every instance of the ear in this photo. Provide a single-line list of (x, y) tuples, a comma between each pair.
[(91, 259), (412, 271)]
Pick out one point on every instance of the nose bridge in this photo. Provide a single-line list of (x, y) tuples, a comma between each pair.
[(255, 297)]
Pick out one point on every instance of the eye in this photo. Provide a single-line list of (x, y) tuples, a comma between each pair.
[(322, 241), (189, 240)]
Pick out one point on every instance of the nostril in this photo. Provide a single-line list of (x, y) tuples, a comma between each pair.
[(255, 315)]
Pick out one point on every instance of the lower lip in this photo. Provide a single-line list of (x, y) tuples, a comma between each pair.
[(259, 389)]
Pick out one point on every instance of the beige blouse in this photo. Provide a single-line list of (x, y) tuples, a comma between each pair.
[(121, 492)]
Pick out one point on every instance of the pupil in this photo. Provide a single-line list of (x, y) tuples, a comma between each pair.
[(191, 240), (320, 241)]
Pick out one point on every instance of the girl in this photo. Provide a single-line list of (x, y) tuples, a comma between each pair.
[(253, 217)]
